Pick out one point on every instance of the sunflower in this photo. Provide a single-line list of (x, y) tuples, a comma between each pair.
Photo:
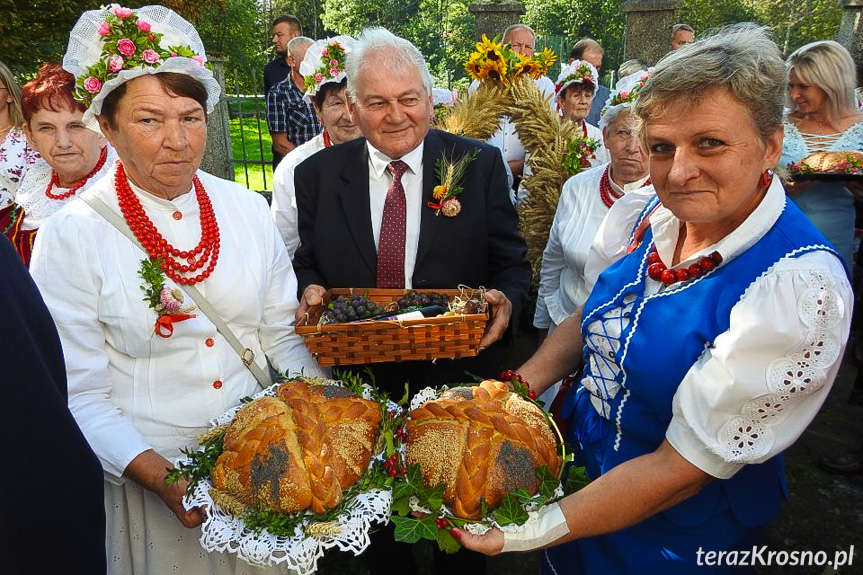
[(475, 68), (543, 60), (489, 49), (496, 70)]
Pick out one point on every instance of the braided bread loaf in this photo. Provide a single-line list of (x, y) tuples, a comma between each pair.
[(299, 450), (828, 161), (481, 442)]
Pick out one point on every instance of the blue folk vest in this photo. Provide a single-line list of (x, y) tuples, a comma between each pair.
[(665, 336)]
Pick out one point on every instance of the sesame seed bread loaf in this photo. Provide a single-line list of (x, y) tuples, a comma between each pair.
[(298, 450), (481, 442)]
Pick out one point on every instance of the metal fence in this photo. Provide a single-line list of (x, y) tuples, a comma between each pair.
[(250, 138)]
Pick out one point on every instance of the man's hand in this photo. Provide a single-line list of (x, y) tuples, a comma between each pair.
[(149, 470), (501, 311), (281, 143), (312, 295), (491, 543)]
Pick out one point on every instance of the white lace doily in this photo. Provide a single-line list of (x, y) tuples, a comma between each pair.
[(532, 507), (224, 532)]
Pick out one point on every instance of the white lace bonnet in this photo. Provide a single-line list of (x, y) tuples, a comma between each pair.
[(179, 50), (317, 67), (576, 72), (624, 94)]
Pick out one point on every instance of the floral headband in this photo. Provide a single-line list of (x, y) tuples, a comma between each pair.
[(325, 62), (578, 72), (625, 93), (113, 45)]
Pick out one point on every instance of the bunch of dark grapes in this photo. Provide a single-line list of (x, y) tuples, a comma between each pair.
[(349, 308), (414, 298)]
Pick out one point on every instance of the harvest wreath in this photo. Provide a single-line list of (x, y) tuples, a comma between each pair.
[(552, 145), (300, 467)]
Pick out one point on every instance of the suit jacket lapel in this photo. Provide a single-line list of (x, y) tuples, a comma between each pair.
[(433, 150), (354, 196)]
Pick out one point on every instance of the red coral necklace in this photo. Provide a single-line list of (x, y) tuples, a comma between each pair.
[(607, 192), (327, 141), (174, 261), (55, 179), (659, 272)]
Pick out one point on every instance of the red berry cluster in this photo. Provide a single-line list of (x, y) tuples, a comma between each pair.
[(392, 466), (517, 381), (441, 523)]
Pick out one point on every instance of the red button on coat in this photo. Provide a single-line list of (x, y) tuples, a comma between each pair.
[(217, 384), (178, 215), (210, 342)]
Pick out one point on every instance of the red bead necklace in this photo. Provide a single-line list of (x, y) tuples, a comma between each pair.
[(607, 192), (55, 179), (157, 247), (659, 272), (327, 141)]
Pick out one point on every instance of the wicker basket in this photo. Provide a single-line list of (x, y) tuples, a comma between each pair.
[(377, 341)]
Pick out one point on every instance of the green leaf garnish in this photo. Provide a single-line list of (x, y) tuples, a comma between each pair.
[(510, 511), (411, 529)]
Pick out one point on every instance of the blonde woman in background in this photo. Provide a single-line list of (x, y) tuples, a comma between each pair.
[(15, 155)]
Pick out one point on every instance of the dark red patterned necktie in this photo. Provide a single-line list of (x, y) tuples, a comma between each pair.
[(391, 245)]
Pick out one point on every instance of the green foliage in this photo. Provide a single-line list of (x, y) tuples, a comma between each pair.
[(576, 478), (510, 511), (200, 462), (792, 22), (602, 20), (154, 280)]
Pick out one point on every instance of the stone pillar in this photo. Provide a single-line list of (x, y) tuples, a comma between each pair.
[(492, 18), (218, 155), (851, 30), (648, 28)]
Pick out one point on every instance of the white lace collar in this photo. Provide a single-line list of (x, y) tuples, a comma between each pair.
[(36, 204)]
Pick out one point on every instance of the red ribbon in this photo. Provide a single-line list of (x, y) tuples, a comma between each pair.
[(165, 324), (435, 206)]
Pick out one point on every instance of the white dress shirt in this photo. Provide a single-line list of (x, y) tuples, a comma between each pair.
[(284, 204), (412, 181), (765, 378)]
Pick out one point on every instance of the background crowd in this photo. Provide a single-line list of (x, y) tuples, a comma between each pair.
[(680, 417)]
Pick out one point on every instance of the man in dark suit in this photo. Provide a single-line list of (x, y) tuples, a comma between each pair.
[(343, 193), (364, 221), (52, 514)]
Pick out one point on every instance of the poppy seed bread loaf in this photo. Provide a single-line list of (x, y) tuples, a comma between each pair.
[(481, 442), (298, 450)]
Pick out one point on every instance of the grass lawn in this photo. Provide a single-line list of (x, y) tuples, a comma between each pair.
[(257, 148)]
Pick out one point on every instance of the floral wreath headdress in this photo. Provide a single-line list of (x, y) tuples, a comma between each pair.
[(325, 62), (624, 94), (112, 45), (577, 72)]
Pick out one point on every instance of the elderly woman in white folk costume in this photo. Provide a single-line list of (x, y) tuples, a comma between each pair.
[(326, 85), (584, 201), (576, 84), (73, 157), (146, 374)]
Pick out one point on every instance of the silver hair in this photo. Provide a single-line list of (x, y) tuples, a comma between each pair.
[(741, 59), (829, 66), (392, 52), (678, 27), (297, 43), (517, 27), (631, 67), (611, 115)]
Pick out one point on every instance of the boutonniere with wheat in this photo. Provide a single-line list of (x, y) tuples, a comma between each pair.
[(449, 173)]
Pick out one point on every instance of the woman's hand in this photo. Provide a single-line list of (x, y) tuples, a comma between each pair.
[(491, 543), (149, 469)]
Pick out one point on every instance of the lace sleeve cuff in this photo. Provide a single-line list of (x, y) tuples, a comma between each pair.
[(684, 441)]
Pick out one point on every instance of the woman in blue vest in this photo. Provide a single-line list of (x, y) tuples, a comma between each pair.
[(706, 350)]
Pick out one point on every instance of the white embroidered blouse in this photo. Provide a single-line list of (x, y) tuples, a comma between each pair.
[(752, 395), (129, 389)]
